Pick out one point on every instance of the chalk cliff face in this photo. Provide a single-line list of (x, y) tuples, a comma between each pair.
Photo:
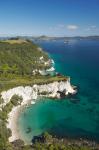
[(31, 93)]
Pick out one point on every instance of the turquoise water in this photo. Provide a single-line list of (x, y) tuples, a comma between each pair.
[(68, 118)]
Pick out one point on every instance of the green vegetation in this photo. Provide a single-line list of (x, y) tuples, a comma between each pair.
[(53, 143), (48, 143), (15, 41), (16, 100), (5, 133), (16, 80), (20, 57)]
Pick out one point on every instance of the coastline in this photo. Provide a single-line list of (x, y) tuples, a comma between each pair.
[(12, 121), (30, 95)]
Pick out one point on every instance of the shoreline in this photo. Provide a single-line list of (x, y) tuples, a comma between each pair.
[(12, 121), (30, 95)]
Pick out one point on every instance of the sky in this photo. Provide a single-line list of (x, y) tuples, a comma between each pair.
[(49, 17)]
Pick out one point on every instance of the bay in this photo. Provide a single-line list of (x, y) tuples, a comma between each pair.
[(73, 117)]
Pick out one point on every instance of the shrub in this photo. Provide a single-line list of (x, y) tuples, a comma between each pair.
[(16, 100)]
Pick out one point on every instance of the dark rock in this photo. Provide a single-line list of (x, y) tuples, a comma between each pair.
[(39, 138), (18, 143), (28, 130), (62, 94)]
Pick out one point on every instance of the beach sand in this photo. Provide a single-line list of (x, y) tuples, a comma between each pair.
[(12, 122)]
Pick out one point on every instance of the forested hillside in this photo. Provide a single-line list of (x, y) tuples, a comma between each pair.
[(20, 57)]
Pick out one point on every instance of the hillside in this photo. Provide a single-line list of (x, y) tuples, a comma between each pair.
[(20, 57)]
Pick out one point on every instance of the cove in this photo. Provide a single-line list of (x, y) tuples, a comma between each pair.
[(76, 116)]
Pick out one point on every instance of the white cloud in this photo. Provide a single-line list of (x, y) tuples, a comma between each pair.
[(60, 27), (72, 27)]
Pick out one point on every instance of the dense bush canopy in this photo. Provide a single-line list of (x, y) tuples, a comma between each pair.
[(20, 58)]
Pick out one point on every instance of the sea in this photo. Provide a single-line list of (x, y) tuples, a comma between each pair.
[(75, 116)]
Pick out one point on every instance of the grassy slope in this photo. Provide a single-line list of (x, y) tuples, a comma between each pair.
[(18, 58), (6, 83), (15, 41)]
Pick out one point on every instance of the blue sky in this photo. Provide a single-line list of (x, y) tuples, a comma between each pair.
[(49, 17)]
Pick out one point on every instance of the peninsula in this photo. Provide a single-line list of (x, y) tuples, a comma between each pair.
[(26, 72)]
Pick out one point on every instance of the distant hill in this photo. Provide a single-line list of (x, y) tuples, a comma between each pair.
[(47, 38), (20, 56)]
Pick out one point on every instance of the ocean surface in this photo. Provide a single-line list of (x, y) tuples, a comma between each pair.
[(77, 116)]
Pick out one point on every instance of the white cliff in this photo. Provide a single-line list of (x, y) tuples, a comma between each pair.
[(31, 93)]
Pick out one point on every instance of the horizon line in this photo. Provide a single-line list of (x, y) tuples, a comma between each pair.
[(29, 35)]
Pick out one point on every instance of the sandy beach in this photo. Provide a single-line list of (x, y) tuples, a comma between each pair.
[(29, 95), (12, 121)]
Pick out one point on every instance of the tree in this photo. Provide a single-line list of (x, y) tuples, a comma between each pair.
[(14, 69), (16, 100), (1, 100), (5, 68)]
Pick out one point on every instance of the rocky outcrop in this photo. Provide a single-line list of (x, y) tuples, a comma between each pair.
[(32, 93)]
